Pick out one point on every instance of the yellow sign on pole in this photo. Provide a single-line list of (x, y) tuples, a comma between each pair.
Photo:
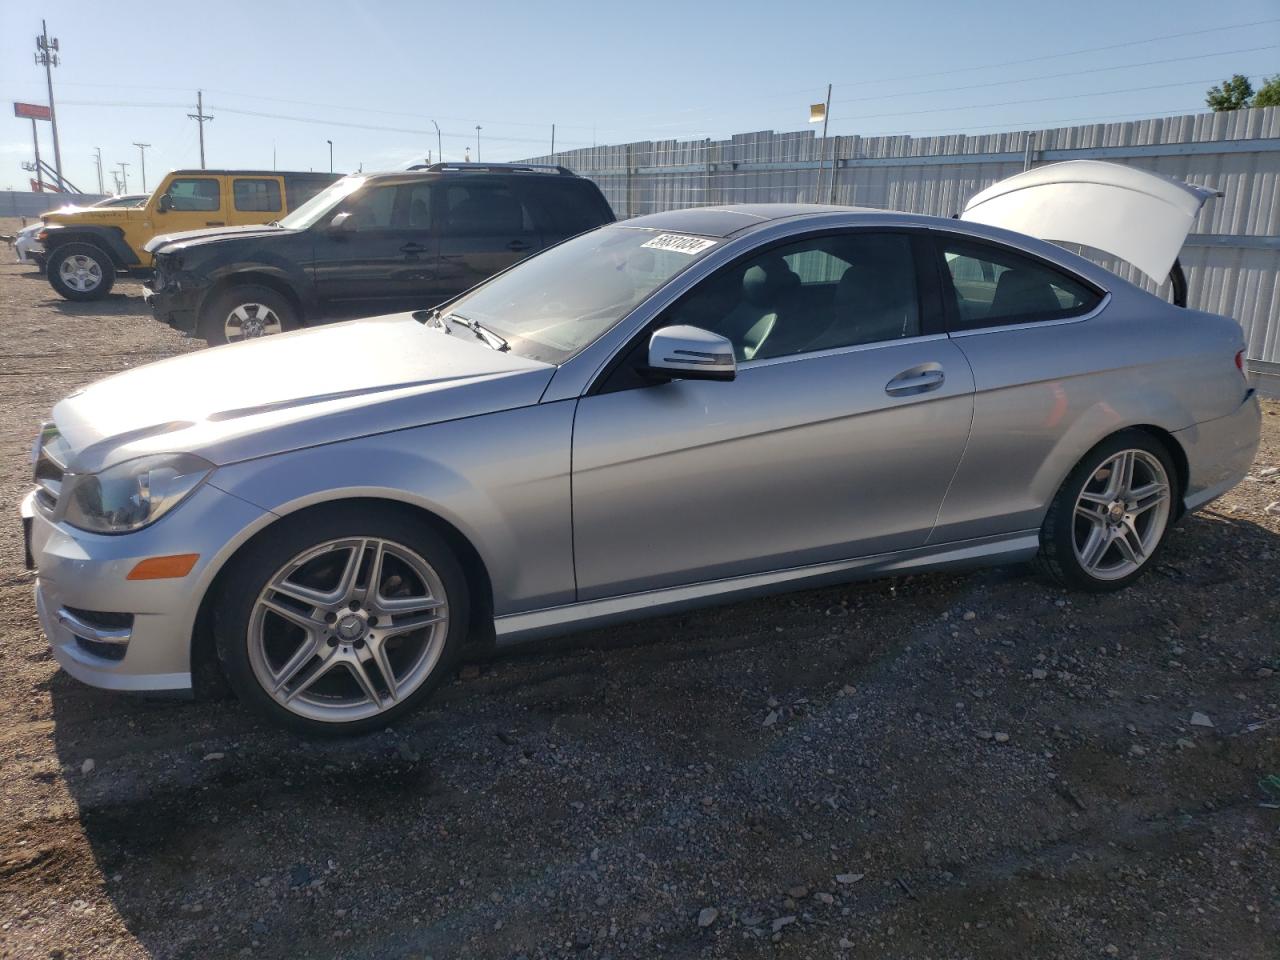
[(817, 112)]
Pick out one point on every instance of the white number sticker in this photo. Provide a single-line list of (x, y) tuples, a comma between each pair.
[(679, 243)]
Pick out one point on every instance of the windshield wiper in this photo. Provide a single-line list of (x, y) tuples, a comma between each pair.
[(481, 331)]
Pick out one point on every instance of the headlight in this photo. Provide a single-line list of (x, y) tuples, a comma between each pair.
[(132, 494)]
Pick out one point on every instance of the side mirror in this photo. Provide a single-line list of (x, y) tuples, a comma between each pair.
[(342, 223), (164, 204), (690, 353)]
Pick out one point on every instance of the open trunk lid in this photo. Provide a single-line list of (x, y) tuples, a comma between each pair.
[(1140, 217)]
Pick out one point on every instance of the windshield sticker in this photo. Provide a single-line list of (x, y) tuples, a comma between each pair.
[(679, 243)]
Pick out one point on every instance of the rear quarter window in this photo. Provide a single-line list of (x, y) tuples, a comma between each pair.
[(256, 195), (991, 285), (565, 206)]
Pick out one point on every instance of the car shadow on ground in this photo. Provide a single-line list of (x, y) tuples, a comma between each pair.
[(480, 821)]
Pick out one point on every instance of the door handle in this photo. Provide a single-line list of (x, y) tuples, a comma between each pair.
[(413, 248), (915, 380), (215, 223), (517, 245)]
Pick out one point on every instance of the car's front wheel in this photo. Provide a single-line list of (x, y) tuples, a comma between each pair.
[(339, 622), (1110, 518), (246, 312), (81, 271)]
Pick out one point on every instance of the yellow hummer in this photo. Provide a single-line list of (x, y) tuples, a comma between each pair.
[(87, 247)]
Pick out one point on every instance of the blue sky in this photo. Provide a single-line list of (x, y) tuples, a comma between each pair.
[(602, 72)]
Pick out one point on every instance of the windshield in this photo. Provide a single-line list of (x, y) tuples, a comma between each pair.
[(324, 201), (552, 305)]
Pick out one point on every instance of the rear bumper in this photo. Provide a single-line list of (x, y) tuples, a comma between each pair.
[(1220, 452)]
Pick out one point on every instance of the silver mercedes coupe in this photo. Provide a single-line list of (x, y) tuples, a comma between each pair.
[(676, 410)]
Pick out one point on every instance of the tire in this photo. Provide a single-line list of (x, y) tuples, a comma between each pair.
[(255, 310), (80, 271), (1099, 534), (274, 632)]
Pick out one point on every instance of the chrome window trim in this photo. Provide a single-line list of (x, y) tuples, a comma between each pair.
[(577, 375), (1035, 324), (837, 351)]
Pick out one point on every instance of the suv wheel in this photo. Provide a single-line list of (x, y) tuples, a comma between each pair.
[(81, 271), (339, 622), (246, 312)]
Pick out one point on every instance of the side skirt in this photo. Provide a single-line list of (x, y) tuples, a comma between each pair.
[(551, 621)]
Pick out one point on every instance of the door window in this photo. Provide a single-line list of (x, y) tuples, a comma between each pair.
[(256, 196), (195, 194), (993, 286), (821, 293), (484, 208), (418, 206), (373, 209)]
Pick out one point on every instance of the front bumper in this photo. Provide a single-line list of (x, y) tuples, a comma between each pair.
[(82, 576), (178, 307), (28, 250), (1220, 452)]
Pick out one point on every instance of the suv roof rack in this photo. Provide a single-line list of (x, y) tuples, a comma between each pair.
[(494, 168)]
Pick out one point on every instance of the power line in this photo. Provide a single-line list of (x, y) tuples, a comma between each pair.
[(1056, 76)]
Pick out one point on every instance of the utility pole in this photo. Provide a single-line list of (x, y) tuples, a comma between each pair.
[(116, 177), (97, 156), (439, 144), (142, 152), (330, 143), (200, 117), (124, 176), (47, 56), (553, 141), (477, 143), (35, 142)]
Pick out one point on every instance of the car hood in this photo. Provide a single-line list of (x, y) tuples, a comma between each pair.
[(190, 238), (294, 390)]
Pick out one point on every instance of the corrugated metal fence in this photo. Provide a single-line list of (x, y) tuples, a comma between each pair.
[(1232, 257), (19, 203)]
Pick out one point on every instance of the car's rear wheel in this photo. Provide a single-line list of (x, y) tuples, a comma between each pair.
[(246, 312), (340, 622), (81, 271), (1110, 518)]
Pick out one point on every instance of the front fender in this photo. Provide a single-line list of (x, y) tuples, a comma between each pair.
[(501, 480), (110, 239)]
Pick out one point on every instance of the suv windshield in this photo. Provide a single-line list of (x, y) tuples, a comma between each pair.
[(324, 201), (552, 305)]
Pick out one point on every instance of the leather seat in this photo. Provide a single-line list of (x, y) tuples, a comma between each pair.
[(870, 305), (1021, 292), (766, 286)]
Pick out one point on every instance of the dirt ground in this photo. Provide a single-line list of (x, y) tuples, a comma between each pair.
[(969, 765)]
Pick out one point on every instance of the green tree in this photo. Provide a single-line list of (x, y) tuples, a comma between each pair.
[(1268, 94), (1232, 94)]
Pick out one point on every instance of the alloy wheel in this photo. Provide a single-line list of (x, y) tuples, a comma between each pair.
[(249, 321), (1121, 514), (80, 273), (348, 629)]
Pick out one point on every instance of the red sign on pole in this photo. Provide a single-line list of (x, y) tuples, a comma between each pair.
[(32, 111)]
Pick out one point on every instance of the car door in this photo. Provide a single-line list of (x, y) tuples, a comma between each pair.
[(837, 439), (484, 226), (191, 203), (382, 259)]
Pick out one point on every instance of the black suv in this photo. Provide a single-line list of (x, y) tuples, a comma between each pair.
[(369, 244)]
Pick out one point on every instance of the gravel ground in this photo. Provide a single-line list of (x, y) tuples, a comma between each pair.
[(972, 765)]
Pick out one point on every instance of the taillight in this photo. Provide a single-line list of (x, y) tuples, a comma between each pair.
[(1240, 363)]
